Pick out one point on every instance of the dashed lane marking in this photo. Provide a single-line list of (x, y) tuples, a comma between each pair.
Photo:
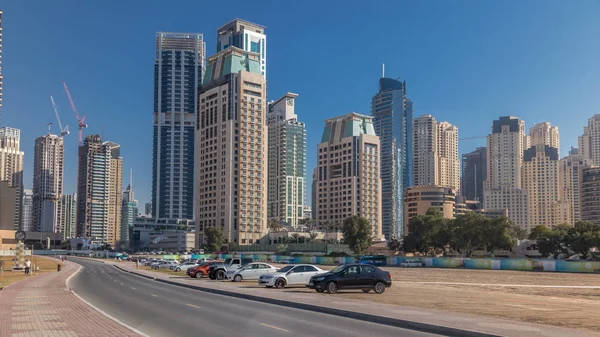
[(274, 327)]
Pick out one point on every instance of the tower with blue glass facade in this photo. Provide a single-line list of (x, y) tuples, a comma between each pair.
[(393, 113), (178, 71)]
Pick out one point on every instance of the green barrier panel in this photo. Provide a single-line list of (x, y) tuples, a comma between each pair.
[(577, 266), (516, 264)]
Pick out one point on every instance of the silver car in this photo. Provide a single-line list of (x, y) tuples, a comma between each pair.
[(183, 266), (163, 264)]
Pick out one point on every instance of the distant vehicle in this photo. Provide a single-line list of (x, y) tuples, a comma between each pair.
[(201, 270), (375, 260), (163, 265), (352, 276), (183, 266), (150, 262), (288, 261), (294, 275), (411, 263), (250, 271), (218, 272)]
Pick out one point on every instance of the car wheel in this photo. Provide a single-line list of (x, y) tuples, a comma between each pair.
[(155, 268), (212, 276), (199, 274), (366, 290), (331, 287), (280, 283), (178, 269), (220, 275), (237, 278), (320, 290), (379, 288)]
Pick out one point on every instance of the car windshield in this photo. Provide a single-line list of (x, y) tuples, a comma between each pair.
[(285, 269), (338, 269), (227, 261)]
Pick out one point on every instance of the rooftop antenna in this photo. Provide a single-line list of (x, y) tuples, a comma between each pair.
[(131, 178), (383, 70), (49, 127)]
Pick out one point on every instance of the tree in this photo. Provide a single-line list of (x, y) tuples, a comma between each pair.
[(552, 242), (519, 233), (214, 238), (358, 233), (313, 236), (582, 237), (538, 231), (274, 225), (426, 233), (394, 244)]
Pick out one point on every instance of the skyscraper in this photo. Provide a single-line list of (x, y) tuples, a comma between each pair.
[(0, 62), (474, 173), (502, 189), (571, 168), (178, 70), (348, 167), (542, 178), (589, 142), (590, 195), (48, 163), (11, 167), (68, 204), (231, 138), (247, 36), (435, 151), (129, 212), (148, 208), (27, 210), (392, 111), (99, 190), (287, 161)]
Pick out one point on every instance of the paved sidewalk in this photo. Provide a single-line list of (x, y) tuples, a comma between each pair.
[(467, 322), (43, 306)]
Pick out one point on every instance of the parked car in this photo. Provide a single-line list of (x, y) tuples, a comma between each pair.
[(201, 270), (250, 271), (150, 262), (163, 264), (218, 271), (293, 275), (352, 276), (183, 266), (411, 263)]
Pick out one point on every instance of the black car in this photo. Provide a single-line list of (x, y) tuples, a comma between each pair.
[(352, 276)]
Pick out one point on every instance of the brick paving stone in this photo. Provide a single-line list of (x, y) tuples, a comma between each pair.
[(42, 306)]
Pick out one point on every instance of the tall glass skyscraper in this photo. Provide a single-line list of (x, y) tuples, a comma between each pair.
[(393, 113), (178, 71)]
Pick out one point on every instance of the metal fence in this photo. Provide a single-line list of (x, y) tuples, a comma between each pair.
[(311, 247)]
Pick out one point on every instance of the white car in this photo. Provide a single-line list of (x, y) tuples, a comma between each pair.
[(250, 271), (183, 266), (294, 275)]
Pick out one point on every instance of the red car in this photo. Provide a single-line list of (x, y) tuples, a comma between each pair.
[(201, 270)]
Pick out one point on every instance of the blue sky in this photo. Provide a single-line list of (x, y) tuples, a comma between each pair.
[(466, 62)]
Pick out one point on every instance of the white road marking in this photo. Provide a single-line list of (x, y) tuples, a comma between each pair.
[(154, 295), (121, 283), (133, 288), (274, 327), (527, 307), (193, 306), (506, 285)]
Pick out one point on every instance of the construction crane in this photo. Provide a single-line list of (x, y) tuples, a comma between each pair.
[(80, 121), (65, 131)]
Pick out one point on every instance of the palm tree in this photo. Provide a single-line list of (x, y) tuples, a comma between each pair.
[(313, 236)]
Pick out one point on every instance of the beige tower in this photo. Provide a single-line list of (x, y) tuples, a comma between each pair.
[(503, 189), (48, 163), (99, 190), (435, 151), (589, 142), (11, 171), (348, 172), (571, 168), (231, 148), (544, 134)]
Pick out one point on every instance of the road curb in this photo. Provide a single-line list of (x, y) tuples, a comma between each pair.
[(395, 322)]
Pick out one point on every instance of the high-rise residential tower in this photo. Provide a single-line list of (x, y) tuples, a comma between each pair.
[(287, 161), (570, 171), (348, 164), (178, 70), (247, 36), (231, 142), (502, 189), (11, 167), (48, 164), (590, 194), (392, 113), (99, 189), (589, 142), (435, 151), (148, 208), (0, 62), (68, 205), (27, 210), (541, 177), (129, 211), (474, 173)]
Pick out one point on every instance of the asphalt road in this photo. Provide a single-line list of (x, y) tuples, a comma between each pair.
[(158, 309)]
